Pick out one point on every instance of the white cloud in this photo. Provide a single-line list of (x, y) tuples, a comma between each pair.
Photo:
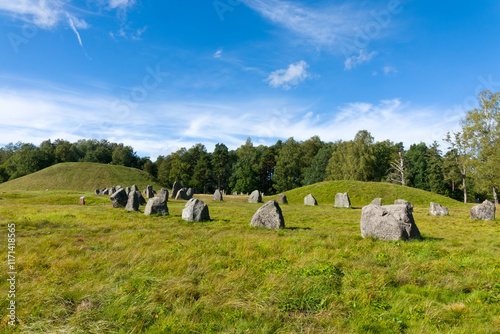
[(43, 14), (292, 76), (167, 126), (218, 53), (354, 61), (389, 69), (121, 3)]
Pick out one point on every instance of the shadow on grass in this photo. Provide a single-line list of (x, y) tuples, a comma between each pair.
[(297, 228), (422, 239)]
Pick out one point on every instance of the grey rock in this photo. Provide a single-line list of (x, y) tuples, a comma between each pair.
[(127, 190), (133, 201), (377, 201), (388, 222), (282, 199), (310, 200), (156, 205), (217, 195), (118, 187), (405, 202), (438, 210), (97, 191), (175, 188), (119, 199), (269, 216), (235, 193), (149, 191), (342, 201), (484, 211), (134, 188), (112, 190), (181, 194), (141, 199), (195, 210), (255, 197), (190, 192), (163, 193), (102, 191)]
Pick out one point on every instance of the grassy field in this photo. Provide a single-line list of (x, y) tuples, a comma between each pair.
[(81, 176), (95, 269)]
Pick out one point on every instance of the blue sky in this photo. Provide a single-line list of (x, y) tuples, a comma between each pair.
[(160, 75)]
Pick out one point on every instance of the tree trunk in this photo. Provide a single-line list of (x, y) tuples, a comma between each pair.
[(453, 185), (465, 188), (495, 195)]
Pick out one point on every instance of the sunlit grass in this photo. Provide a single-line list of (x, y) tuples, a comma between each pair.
[(95, 269)]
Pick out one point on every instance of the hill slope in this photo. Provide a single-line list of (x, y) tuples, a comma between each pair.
[(362, 193), (81, 176)]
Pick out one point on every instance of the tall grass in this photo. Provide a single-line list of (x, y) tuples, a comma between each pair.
[(95, 269)]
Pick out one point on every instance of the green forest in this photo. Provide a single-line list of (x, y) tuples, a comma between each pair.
[(468, 169)]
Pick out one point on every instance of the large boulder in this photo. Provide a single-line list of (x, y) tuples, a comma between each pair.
[(119, 199), (377, 201), (404, 202), (163, 193), (133, 201), (217, 196), (269, 216), (195, 210), (389, 222), (282, 199), (149, 191), (112, 190), (342, 201), (156, 205), (190, 192), (127, 190), (255, 197), (182, 194), (484, 211), (310, 200), (175, 188), (438, 210)]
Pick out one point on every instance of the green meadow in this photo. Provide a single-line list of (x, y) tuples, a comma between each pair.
[(95, 269)]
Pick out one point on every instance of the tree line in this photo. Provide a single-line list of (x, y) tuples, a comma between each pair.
[(469, 170)]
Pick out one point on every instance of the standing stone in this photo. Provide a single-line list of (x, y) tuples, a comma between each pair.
[(119, 199), (181, 194), (97, 192), (163, 193), (377, 201), (102, 191), (408, 204), (255, 197), (112, 190), (105, 191), (342, 201), (438, 210), (118, 187), (149, 191), (141, 199), (190, 192), (388, 222), (217, 195), (269, 216), (127, 190), (195, 210), (134, 188), (156, 205), (235, 193), (282, 199), (133, 201), (310, 200), (484, 211), (175, 188)]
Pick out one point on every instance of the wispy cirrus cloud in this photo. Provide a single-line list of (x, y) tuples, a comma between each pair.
[(323, 26), (362, 57), (292, 76)]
